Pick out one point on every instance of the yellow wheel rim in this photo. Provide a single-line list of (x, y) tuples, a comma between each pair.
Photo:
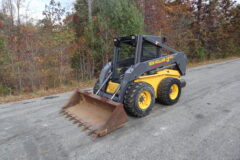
[(144, 100), (174, 90)]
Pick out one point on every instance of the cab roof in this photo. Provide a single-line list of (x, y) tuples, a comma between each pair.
[(156, 40)]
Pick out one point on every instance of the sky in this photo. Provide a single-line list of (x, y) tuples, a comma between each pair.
[(34, 8), (37, 6)]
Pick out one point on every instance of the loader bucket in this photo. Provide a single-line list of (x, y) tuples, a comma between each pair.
[(97, 114)]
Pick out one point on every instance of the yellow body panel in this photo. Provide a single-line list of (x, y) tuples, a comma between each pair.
[(155, 79), (111, 88)]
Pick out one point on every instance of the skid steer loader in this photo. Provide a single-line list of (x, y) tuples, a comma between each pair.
[(138, 74)]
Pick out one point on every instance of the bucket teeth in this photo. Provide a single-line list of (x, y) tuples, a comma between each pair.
[(94, 137), (91, 132), (84, 128), (62, 111), (72, 118), (79, 124), (68, 116), (75, 121)]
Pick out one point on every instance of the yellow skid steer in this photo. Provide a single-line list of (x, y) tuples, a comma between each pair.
[(138, 74)]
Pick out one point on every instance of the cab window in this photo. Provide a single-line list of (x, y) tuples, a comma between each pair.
[(149, 51)]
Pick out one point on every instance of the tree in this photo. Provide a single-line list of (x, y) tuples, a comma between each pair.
[(53, 14), (57, 38), (95, 34)]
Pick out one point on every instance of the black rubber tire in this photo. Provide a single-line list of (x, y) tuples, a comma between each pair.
[(164, 90), (131, 99)]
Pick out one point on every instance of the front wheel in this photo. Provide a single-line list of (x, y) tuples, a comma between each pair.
[(139, 99)]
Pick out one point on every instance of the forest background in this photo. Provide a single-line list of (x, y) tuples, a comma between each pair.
[(69, 48)]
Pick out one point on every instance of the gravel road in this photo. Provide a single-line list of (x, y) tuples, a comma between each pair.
[(204, 125)]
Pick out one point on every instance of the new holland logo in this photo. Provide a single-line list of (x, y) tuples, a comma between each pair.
[(156, 63)]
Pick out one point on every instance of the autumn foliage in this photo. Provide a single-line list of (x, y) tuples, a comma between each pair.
[(65, 47)]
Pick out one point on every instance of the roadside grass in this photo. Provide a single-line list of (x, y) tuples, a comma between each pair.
[(43, 92), (84, 84), (202, 63)]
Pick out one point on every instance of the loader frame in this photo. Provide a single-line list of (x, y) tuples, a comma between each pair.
[(176, 59)]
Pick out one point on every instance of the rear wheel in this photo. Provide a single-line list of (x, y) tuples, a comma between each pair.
[(169, 91), (139, 99)]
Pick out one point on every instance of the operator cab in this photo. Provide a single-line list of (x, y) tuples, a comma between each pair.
[(125, 55), (131, 50)]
